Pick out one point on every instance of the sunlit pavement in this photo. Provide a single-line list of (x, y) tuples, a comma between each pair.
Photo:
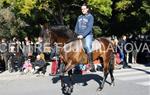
[(133, 81)]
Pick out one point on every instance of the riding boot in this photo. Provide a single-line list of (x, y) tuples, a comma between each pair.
[(90, 59)]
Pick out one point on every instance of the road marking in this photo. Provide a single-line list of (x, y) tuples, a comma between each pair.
[(134, 77), (130, 73), (133, 69), (137, 75), (145, 83)]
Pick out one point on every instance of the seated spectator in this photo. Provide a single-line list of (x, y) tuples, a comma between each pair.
[(27, 66), (39, 65)]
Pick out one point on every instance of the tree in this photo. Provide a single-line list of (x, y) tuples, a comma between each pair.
[(102, 13), (130, 17), (10, 25), (112, 17)]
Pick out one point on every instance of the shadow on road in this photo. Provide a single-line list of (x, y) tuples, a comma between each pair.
[(81, 79), (138, 69), (147, 72)]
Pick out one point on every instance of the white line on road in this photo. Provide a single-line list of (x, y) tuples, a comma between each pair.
[(134, 77), (130, 73), (145, 83)]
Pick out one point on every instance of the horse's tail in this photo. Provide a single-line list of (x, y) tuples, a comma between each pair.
[(112, 62), (108, 46)]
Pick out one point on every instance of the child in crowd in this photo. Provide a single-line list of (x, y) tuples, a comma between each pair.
[(27, 66)]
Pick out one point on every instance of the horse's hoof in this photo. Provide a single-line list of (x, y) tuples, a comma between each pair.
[(67, 89), (112, 84), (99, 89)]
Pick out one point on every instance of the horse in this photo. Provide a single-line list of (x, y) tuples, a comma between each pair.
[(73, 53)]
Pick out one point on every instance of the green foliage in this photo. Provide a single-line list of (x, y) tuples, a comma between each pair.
[(102, 12), (101, 6), (131, 17), (97, 31), (146, 6), (26, 6), (6, 22), (23, 17), (121, 17), (123, 4), (10, 25)]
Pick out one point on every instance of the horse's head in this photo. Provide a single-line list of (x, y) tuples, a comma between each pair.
[(58, 34)]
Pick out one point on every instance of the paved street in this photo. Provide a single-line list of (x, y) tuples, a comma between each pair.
[(134, 81)]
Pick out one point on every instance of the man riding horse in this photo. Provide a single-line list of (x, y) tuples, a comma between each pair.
[(83, 28)]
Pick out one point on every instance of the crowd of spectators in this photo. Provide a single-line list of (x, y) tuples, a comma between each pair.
[(28, 56), (24, 56)]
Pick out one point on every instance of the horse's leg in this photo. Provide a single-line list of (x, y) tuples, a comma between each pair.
[(63, 85), (69, 70), (62, 80), (112, 77), (67, 88), (103, 82), (71, 82), (70, 74), (62, 72), (108, 68), (106, 71), (111, 68)]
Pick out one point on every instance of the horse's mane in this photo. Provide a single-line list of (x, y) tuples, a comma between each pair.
[(62, 31)]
